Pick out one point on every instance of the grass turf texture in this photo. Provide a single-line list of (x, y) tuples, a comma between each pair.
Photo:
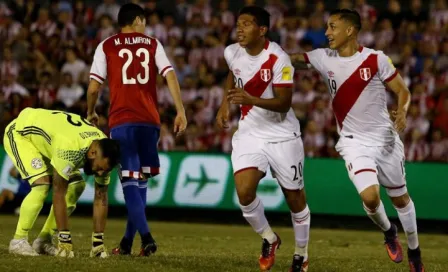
[(207, 247)]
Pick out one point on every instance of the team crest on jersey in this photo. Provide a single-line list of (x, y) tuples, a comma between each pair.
[(36, 163), (365, 73), (265, 75)]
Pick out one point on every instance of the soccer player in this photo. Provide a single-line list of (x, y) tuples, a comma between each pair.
[(131, 61), (369, 142), (48, 148), (261, 82)]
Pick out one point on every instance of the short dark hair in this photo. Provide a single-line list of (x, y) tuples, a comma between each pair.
[(111, 150), (128, 13), (349, 15), (262, 16)]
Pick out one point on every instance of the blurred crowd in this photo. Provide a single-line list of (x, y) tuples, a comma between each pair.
[(46, 52)]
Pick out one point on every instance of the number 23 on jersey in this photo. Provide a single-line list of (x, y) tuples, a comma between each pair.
[(143, 55)]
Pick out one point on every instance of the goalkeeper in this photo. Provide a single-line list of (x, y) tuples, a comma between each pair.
[(48, 148)]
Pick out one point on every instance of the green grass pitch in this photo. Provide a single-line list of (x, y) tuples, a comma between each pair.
[(219, 248)]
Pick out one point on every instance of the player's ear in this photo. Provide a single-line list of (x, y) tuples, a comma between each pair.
[(350, 31), (263, 30)]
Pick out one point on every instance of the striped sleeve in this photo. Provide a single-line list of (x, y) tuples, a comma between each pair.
[(98, 71)]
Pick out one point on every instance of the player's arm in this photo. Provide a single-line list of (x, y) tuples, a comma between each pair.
[(222, 117), (398, 86), (299, 61), (390, 76), (98, 73), (100, 210), (100, 207), (280, 103), (60, 186), (166, 70)]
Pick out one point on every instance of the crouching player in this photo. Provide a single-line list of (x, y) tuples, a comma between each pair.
[(48, 148)]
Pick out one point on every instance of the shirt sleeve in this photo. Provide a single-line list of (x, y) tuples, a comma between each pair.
[(65, 161), (315, 58), (162, 62), (283, 72), (386, 69), (98, 71), (228, 55)]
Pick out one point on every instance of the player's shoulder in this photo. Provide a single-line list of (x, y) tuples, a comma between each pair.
[(274, 48), (370, 51), (324, 52), (104, 44), (231, 51)]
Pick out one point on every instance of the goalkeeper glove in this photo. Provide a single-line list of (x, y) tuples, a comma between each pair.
[(98, 248), (65, 247)]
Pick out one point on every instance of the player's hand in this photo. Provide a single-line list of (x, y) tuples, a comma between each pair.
[(180, 123), (93, 118), (240, 97), (99, 251), (222, 118), (65, 246), (400, 120)]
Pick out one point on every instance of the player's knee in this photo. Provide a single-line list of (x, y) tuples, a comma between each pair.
[(45, 180), (371, 198), (295, 199), (246, 198), (401, 201)]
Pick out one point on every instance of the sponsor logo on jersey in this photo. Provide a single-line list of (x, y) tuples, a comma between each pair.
[(237, 72), (67, 170), (365, 74), (286, 73), (330, 74), (265, 75), (36, 163)]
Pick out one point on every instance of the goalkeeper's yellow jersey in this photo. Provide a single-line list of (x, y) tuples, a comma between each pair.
[(63, 138)]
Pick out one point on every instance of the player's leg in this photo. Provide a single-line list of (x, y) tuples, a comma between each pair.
[(33, 168), (392, 176), (249, 167), (287, 160), (362, 169), (148, 137), (43, 243), (129, 176)]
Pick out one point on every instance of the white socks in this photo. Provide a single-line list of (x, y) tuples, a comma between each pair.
[(254, 214), (301, 223), (379, 216), (409, 222)]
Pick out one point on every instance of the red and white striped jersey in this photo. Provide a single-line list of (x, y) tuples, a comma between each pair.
[(131, 62), (358, 94), (258, 75)]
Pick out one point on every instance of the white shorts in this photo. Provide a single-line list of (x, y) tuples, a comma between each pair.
[(386, 161), (284, 158)]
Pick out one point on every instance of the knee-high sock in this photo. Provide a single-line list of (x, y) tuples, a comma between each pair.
[(30, 209), (74, 191), (254, 214), (136, 209), (408, 220), (301, 222), (379, 217)]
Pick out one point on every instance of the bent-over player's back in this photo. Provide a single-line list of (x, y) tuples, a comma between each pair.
[(51, 132)]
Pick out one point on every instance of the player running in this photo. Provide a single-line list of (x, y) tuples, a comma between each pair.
[(48, 147), (131, 61), (268, 132), (369, 143)]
